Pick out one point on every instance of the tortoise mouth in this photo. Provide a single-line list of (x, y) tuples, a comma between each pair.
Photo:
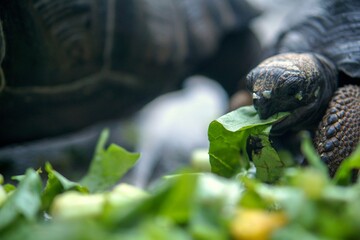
[(280, 127), (306, 117), (263, 108)]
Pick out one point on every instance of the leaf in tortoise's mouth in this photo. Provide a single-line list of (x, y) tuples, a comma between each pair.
[(228, 137)]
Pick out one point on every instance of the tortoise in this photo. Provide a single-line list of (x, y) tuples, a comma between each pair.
[(68, 64), (313, 72)]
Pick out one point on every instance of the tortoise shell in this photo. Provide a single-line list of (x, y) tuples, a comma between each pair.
[(334, 32), (67, 64)]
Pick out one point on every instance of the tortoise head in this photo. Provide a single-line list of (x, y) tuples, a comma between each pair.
[(301, 83)]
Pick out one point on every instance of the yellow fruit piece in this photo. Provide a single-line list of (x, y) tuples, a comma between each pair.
[(256, 224)]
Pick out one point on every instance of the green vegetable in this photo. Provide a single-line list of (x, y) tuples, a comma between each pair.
[(57, 184), (228, 138), (107, 166), (269, 166), (3, 195), (77, 205), (344, 173), (311, 155), (280, 202), (25, 202)]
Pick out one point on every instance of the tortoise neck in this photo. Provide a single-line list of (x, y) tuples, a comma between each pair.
[(328, 81), (308, 116)]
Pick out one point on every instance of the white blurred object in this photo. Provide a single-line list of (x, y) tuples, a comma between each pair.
[(174, 124)]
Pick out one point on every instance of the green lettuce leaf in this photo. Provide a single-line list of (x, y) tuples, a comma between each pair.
[(108, 165), (201, 203), (57, 184), (269, 166), (228, 136), (345, 171), (313, 158), (25, 201)]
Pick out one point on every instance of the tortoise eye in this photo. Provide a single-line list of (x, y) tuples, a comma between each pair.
[(285, 75)]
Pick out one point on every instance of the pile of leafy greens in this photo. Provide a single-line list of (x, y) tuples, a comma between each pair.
[(253, 194)]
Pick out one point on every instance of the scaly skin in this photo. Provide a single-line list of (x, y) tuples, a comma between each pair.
[(339, 131)]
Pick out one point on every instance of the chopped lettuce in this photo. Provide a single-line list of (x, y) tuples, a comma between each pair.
[(280, 201), (311, 155), (57, 184), (25, 202), (228, 136), (108, 165)]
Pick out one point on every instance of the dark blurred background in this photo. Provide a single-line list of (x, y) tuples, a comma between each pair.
[(71, 70)]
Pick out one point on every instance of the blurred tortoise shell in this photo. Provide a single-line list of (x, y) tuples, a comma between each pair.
[(67, 64), (332, 31)]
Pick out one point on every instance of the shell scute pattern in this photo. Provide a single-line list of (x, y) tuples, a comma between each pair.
[(69, 23), (66, 61)]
